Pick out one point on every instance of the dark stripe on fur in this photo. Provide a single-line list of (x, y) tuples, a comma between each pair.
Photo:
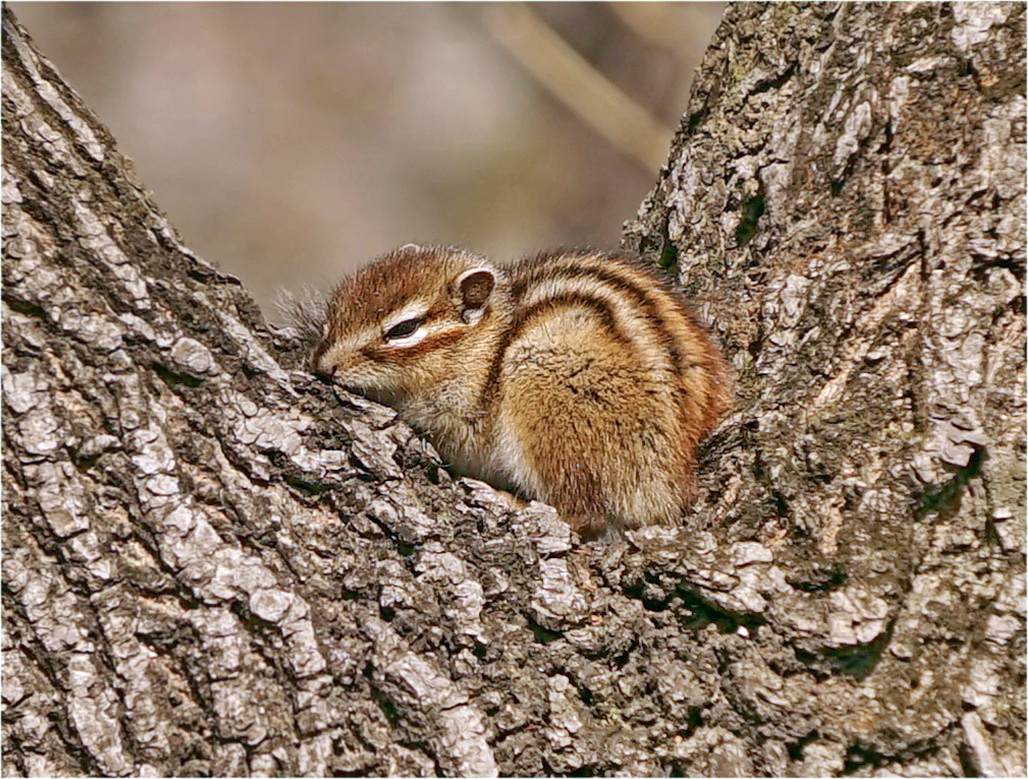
[(524, 317), (549, 265)]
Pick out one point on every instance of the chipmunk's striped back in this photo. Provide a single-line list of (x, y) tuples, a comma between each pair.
[(575, 377)]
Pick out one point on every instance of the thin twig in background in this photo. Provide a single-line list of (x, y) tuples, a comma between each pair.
[(652, 22), (576, 83)]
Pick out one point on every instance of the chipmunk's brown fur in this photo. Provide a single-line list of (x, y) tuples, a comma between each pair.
[(577, 378)]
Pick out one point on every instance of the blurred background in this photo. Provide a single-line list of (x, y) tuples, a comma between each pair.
[(290, 143)]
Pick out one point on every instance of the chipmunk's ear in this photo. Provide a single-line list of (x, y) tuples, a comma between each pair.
[(474, 286)]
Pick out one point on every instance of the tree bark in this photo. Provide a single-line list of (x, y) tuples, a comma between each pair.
[(216, 564)]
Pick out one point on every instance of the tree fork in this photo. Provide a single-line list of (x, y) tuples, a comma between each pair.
[(215, 564)]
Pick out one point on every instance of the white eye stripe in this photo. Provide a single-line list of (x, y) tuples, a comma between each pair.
[(413, 311)]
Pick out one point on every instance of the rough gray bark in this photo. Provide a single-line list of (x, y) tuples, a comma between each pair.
[(847, 190), (214, 564)]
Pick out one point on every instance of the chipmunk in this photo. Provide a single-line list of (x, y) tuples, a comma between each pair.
[(577, 378)]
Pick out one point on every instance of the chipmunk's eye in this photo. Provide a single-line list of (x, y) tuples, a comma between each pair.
[(404, 328)]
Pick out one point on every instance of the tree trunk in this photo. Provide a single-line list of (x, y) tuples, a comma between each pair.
[(215, 564)]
